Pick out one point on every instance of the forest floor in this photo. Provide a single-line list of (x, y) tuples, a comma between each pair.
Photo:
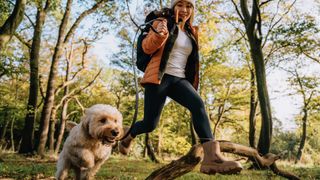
[(14, 166)]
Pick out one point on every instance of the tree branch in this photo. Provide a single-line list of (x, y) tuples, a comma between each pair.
[(238, 11), (69, 59), (22, 40), (79, 90), (79, 103), (256, 6), (81, 17), (71, 113), (245, 11), (278, 21), (311, 57), (12, 3), (41, 91), (265, 2)]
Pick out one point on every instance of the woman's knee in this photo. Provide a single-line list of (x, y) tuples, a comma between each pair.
[(150, 125), (196, 104)]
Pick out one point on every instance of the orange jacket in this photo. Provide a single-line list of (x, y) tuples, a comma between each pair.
[(160, 46)]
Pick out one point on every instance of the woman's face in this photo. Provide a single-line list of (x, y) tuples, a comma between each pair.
[(184, 10)]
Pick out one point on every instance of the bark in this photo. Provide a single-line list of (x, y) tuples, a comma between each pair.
[(179, 167), (4, 129), (264, 100), (27, 143), (253, 107), (303, 135), (9, 27), (149, 150), (220, 115), (187, 163), (12, 134), (52, 128), (62, 126), (49, 99), (252, 23)]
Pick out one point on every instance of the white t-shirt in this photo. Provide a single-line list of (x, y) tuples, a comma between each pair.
[(178, 57)]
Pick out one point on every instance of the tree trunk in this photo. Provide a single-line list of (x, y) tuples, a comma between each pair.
[(253, 107), (303, 135), (149, 150), (220, 114), (65, 103), (187, 163), (264, 101), (12, 134), (49, 99), (4, 129), (9, 27), (252, 23), (27, 143), (62, 126), (52, 129), (63, 38)]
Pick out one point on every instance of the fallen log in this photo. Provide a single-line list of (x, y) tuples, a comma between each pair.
[(188, 162)]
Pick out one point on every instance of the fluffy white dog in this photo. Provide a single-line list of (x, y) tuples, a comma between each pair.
[(90, 142)]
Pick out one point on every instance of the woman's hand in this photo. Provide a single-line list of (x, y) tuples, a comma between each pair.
[(162, 27)]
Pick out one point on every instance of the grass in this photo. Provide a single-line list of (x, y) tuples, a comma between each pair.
[(126, 168)]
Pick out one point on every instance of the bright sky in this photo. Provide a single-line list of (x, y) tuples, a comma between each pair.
[(284, 107)]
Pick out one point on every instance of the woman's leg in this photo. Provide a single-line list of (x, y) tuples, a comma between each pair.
[(213, 161), (154, 99), (184, 93)]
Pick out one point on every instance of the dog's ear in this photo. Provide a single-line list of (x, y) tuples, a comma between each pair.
[(70, 125), (85, 122)]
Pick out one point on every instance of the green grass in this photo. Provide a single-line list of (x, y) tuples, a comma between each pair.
[(126, 168)]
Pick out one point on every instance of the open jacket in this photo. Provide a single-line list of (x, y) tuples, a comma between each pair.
[(160, 46)]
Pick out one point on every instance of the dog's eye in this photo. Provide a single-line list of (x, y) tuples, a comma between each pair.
[(115, 120), (103, 120)]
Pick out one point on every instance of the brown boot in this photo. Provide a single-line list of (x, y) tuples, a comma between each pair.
[(124, 145), (213, 161)]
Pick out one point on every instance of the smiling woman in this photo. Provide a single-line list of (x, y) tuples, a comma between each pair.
[(173, 71)]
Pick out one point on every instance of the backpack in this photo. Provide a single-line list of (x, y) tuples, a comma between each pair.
[(143, 59)]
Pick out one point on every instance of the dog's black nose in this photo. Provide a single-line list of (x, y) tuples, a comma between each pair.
[(114, 132)]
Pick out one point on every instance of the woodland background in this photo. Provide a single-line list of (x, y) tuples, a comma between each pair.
[(58, 57)]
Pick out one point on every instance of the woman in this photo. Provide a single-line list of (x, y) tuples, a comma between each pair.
[(174, 72)]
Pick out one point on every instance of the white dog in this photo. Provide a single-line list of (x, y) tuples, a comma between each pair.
[(90, 142)]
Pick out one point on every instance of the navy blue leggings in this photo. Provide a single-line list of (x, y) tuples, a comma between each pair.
[(180, 90)]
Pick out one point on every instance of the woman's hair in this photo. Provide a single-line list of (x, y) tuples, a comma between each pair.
[(191, 19)]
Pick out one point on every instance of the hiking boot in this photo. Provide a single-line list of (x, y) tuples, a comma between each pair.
[(124, 145), (214, 162)]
